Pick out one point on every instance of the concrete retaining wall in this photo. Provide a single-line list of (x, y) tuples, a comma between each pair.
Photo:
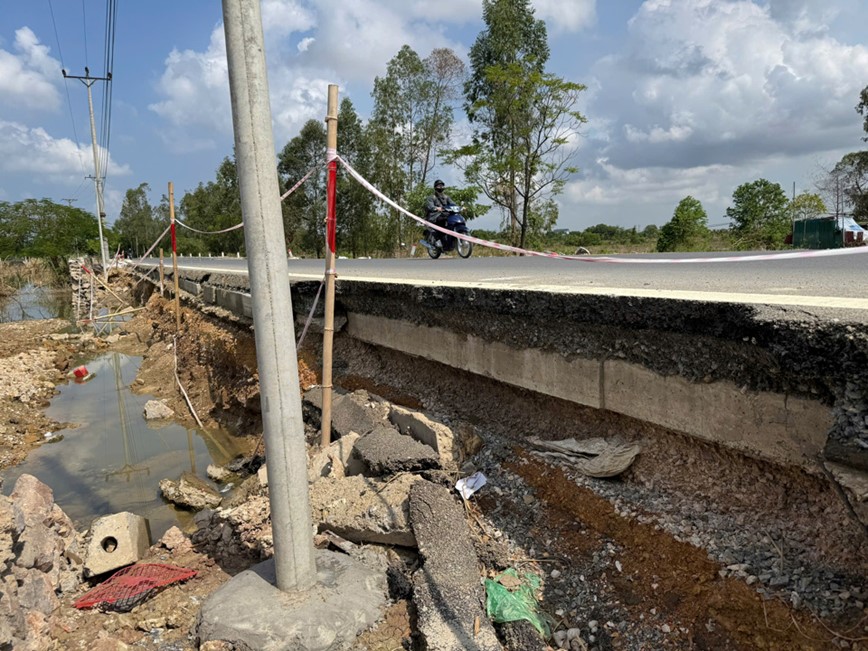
[(775, 426)]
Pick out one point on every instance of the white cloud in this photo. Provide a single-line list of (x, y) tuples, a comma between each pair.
[(35, 151), (26, 75), (709, 82), (563, 16)]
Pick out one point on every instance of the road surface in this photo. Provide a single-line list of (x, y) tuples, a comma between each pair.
[(837, 281)]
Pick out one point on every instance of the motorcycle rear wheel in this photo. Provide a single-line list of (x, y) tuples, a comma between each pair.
[(464, 248), (433, 250)]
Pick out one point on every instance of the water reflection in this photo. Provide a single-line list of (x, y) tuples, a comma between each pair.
[(113, 461), (32, 302)]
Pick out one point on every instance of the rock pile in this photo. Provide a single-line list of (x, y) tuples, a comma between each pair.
[(41, 553)]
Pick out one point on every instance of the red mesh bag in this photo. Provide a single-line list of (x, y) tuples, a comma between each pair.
[(127, 588)]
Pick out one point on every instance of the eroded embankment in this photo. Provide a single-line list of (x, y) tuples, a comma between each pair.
[(697, 542)]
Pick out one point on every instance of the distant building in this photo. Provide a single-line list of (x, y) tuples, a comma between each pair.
[(827, 233)]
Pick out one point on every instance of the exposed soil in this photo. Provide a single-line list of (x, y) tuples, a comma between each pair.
[(674, 554)]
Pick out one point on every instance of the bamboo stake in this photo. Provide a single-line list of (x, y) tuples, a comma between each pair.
[(329, 325), (174, 256), (124, 312), (162, 273), (106, 287)]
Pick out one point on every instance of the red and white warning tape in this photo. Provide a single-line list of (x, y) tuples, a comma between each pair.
[(604, 259)]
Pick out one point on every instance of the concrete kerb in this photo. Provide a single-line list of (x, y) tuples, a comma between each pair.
[(251, 613)]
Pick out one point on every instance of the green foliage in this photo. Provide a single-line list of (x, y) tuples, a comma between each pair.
[(760, 215), (862, 109), (40, 228), (358, 231), (212, 207), (305, 221), (687, 230), (807, 206), (524, 119), (852, 173), (139, 224), (411, 118)]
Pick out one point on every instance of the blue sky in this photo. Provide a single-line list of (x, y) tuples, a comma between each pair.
[(685, 97)]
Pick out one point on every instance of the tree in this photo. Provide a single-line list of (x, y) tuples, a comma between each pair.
[(807, 206), (687, 229), (862, 109), (411, 118), (307, 205), (852, 171), (137, 226), (759, 215), (213, 207), (41, 228), (524, 118), (357, 226)]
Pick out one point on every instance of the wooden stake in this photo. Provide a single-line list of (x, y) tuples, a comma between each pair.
[(175, 257), (162, 273), (331, 221)]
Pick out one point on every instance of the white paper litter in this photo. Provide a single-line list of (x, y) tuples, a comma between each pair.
[(467, 486)]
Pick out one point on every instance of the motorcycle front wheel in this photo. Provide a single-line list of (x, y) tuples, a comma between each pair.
[(464, 248)]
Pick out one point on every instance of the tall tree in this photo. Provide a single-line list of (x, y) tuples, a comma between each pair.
[(524, 118), (687, 229), (137, 226), (760, 215), (444, 77), (862, 109), (357, 221), (213, 207), (852, 172), (307, 205)]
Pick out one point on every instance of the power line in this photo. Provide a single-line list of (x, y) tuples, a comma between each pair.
[(66, 87), (108, 63)]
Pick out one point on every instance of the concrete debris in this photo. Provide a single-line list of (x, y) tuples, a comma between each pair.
[(385, 451), (854, 483), (351, 412), (437, 435), (447, 592), (176, 540), (337, 460), (41, 554), (116, 541), (251, 613), (362, 509), (218, 473), (593, 457), (190, 492), (157, 410)]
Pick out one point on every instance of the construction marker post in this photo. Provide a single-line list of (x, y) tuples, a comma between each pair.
[(331, 236), (162, 273), (174, 257)]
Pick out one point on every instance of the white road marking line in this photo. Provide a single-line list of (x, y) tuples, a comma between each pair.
[(502, 278)]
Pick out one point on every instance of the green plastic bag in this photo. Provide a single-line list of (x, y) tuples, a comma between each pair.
[(505, 605)]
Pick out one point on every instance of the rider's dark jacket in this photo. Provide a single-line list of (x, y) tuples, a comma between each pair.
[(438, 199)]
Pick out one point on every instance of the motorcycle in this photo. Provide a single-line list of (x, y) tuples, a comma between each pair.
[(436, 242)]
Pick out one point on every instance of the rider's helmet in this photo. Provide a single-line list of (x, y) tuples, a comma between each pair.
[(439, 185)]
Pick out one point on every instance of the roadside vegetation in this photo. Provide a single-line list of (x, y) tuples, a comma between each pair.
[(513, 161)]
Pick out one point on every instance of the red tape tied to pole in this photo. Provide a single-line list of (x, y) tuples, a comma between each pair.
[(331, 197), (174, 241)]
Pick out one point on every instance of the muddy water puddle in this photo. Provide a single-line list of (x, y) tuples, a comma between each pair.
[(111, 459), (33, 302)]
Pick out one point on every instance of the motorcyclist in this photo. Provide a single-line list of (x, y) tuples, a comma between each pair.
[(435, 205)]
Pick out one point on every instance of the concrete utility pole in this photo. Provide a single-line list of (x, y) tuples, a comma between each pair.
[(89, 81), (286, 455)]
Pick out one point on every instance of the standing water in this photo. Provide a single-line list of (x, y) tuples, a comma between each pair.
[(34, 302), (113, 459)]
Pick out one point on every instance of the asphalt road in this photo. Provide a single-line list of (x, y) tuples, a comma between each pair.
[(835, 281)]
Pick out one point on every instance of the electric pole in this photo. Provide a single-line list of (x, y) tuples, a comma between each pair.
[(285, 452), (89, 81), (69, 202)]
